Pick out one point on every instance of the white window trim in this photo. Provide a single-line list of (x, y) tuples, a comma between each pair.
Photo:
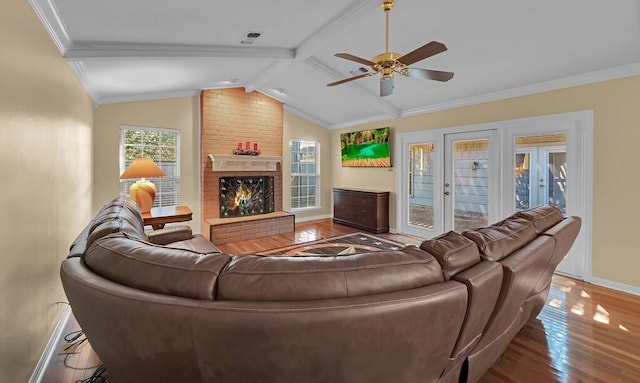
[(121, 161), (318, 205)]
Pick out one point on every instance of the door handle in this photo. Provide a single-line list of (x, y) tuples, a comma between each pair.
[(446, 193)]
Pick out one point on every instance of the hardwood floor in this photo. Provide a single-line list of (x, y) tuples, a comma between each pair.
[(585, 333)]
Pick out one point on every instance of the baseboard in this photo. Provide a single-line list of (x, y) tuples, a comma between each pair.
[(50, 348), (629, 289), (313, 218)]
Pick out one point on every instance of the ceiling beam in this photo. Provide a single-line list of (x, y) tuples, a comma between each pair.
[(310, 46), (371, 98), (97, 50)]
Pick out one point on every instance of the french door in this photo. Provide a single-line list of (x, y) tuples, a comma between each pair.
[(471, 189), (449, 181), (541, 176), (547, 168)]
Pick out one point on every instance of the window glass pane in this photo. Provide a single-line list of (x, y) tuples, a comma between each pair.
[(152, 152), (169, 139), (133, 136), (168, 154), (132, 152)]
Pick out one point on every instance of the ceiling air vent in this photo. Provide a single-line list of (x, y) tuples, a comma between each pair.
[(250, 38)]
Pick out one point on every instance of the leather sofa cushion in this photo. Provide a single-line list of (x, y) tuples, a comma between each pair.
[(454, 252), (503, 238), (79, 245), (542, 217), (118, 215), (170, 234), (197, 243), (256, 278), (155, 268)]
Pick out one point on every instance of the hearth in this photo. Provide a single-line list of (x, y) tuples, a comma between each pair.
[(244, 196)]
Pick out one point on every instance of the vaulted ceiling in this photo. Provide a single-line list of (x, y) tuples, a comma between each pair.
[(125, 50)]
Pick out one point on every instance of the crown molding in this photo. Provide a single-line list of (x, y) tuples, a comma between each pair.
[(50, 18), (147, 97), (85, 50), (547, 86)]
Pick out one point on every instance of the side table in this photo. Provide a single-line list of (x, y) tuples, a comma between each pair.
[(159, 216)]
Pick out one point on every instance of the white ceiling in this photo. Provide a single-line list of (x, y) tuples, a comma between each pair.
[(125, 50)]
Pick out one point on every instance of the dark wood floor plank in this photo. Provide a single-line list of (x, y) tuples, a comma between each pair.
[(584, 333)]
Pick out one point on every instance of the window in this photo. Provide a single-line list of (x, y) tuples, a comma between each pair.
[(161, 145), (305, 174)]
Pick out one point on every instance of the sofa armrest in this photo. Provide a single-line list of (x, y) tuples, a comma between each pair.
[(170, 234)]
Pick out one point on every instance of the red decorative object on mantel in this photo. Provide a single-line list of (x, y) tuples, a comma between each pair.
[(246, 151)]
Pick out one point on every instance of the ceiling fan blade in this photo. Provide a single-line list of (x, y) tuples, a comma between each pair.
[(386, 86), (427, 50), (357, 59), (351, 78), (428, 74)]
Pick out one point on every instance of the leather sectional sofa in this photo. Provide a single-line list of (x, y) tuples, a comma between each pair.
[(167, 306)]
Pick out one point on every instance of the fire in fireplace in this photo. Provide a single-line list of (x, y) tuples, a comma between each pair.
[(242, 196)]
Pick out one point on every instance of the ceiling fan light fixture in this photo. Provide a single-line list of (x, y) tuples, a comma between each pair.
[(389, 62)]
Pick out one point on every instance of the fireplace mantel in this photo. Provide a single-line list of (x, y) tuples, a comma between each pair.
[(233, 163)]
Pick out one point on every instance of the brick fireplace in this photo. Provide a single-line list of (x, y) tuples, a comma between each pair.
[(232, 116)]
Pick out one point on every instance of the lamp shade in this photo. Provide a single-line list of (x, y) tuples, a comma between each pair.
[(142, 167), (143, 192)]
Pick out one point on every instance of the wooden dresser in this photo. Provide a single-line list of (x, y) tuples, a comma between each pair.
[(364, 209)]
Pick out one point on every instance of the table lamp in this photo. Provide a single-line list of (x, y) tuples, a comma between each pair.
[(143, 191)]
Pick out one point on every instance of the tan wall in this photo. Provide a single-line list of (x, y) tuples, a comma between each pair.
[(45, 173), (616, 106), (296, 127), (174, 113)]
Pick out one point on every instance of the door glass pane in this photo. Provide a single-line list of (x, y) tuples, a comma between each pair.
[(523, 181), (471, 184), (541, 171), (421, 179), (557, 180)]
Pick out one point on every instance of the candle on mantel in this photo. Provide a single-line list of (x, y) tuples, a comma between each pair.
[(239, 145), (248, 145), (255, 146)]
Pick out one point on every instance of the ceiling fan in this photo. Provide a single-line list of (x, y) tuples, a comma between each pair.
[(389, 62)]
